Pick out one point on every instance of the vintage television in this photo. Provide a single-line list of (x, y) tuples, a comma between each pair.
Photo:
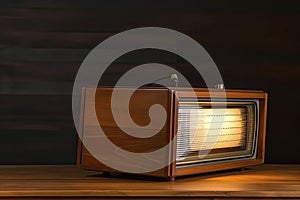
[(238, 142)]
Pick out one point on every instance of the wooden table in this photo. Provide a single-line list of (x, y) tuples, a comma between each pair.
[(266, 181)]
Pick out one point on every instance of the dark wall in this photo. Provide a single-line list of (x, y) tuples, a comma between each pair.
[(256, 45)]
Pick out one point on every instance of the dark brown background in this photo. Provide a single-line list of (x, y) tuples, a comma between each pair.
[(255, 44)]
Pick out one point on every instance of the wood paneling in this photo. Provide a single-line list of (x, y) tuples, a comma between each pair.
[(255, 44), (36, 129), (139, 105)]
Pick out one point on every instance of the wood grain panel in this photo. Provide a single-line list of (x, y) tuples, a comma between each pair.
[(66, 182), (194, 5), (36, 130), (31, 72), (33, 146), (70, 20), (35, 113), (139, 106), (254, 44), (36, 39)]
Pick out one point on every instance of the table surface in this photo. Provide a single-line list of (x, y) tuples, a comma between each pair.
[(265, 181)]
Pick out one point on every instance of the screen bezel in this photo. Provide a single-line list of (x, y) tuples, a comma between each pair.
[(227, 159)]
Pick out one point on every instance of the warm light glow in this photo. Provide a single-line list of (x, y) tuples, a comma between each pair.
[(218, 128), (207, 133)]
